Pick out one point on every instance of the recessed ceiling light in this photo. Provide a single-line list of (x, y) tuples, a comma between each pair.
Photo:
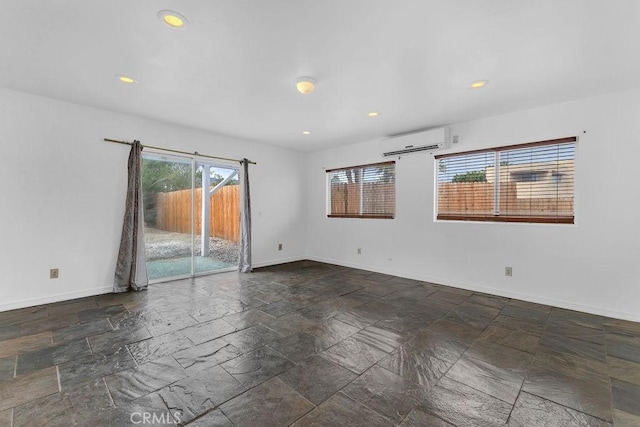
[(479, 83), (306, 85), (306, 132), (173, 19), (125, 79), (373, 114)]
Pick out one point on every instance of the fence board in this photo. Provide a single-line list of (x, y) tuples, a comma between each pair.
[(465, 197), (378, 198), (477, 198), (174, 212)]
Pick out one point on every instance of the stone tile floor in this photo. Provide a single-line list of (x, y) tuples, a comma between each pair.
[(315, 344)]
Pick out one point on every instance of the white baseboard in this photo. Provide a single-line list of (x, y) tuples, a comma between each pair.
[(634, 317), (600, 311), (278, 261), (31, 302), (363, 267)]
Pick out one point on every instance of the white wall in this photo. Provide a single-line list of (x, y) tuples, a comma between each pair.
[(61, 205), (591, 266), (62, 194)]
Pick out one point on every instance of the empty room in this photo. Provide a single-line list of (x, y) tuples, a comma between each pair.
[(319, 213)]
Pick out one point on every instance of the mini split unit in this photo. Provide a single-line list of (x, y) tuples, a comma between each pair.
[(427, 141)]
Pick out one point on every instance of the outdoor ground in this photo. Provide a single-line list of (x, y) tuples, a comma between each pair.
[(169, 254)]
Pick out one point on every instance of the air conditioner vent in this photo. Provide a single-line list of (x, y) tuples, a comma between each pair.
[(429, 141), (411, 149)]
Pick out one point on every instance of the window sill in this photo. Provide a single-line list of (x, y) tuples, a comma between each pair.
[(514, 219), (363, 216)]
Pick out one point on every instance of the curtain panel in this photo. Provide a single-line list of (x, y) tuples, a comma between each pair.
[(131, 271), (244, 264)]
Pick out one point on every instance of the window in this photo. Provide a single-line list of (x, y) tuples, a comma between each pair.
[(367, 191), (556, 177), (528, 176), (520, 183)]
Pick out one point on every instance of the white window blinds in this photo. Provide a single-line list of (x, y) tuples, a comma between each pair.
[(366, 191), (521, 183)]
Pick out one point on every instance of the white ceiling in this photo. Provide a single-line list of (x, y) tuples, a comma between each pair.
[(232, 71)]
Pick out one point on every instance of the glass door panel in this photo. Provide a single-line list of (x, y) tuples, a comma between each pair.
[(167, 189), (217, 218)]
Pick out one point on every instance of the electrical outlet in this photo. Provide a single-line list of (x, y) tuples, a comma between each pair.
[(279, 246), (54, 273), (508, 271), (359, 251)]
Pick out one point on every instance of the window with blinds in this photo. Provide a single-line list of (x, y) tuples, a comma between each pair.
[(367, 191), (520, 183)]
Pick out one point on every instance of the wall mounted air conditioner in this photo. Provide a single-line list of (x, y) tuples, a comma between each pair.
[(427, 141)]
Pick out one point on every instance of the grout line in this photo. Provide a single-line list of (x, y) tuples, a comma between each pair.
[(202, 415), (58, 374), (363, 404), (113, 403), (606, 360), (222, 412), (567, 407), (520, 391), (130, 354), (301, 416), (197, 321)]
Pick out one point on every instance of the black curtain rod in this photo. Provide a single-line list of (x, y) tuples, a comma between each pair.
[(195, 153)]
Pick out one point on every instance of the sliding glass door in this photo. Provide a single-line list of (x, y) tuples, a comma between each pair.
[(167, 189), (217, 218), (191, 214)]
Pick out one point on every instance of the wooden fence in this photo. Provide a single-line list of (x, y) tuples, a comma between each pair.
[(477, 197), (174, 212), (377, 198)]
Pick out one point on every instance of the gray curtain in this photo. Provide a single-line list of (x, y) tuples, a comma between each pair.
[(244, 265), (131, 271)]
